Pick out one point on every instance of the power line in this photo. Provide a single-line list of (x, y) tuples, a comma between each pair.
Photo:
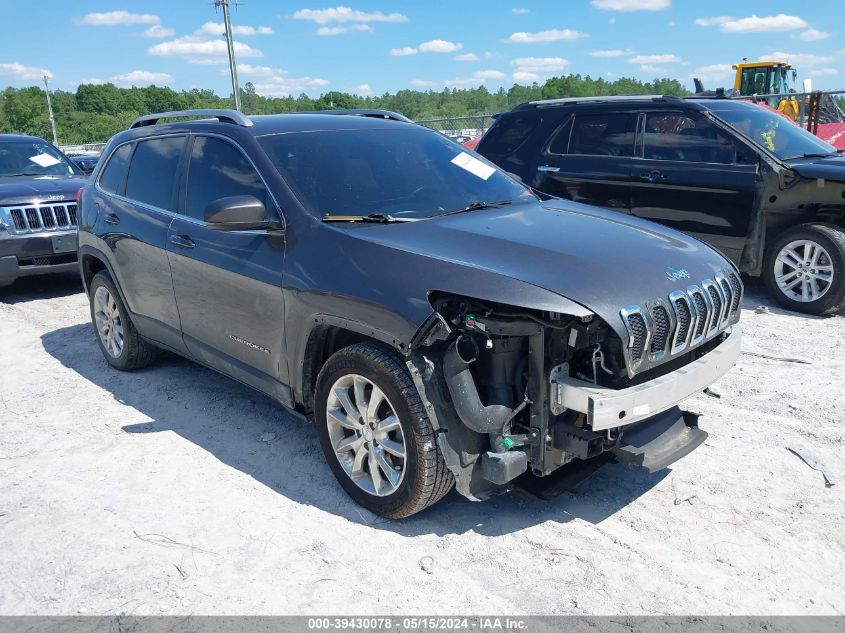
[(233, 71), (50, 110)]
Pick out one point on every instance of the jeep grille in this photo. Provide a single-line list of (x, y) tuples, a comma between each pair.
[(59, 216), (661, 328)]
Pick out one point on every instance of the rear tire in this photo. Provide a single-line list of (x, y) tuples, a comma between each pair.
[(382, 449), (804, 269), (119, 341)]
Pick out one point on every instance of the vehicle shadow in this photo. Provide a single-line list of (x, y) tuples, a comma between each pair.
[(249, 432), (41, 287)]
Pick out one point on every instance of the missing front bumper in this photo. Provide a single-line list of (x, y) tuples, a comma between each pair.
[(660, 440)]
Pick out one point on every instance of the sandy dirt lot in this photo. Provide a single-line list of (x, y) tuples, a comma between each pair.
[(176, 491)]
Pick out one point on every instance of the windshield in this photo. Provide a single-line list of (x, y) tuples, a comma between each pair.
[(405, 172), (779, 135), (32, 158)]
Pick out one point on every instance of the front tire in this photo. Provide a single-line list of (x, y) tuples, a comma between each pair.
[(119, 341), (805, 269), (375, 434)]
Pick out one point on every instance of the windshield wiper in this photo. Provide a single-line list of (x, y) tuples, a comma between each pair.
[(478, 206), (813, 155), (372, 218)]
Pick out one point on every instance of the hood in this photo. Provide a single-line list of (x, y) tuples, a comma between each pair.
[(37, 189), (601, 259), (828, 168)]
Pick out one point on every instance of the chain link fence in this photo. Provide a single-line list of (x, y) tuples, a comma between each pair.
[(460, 128)]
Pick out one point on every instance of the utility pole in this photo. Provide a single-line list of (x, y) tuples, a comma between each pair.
[(230, 45), (50, 111)]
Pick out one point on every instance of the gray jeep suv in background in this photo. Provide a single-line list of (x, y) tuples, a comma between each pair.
[(439, 322), (38, 187)]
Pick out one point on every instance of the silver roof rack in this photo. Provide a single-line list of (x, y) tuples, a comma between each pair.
[(608, 98), (224, 116)]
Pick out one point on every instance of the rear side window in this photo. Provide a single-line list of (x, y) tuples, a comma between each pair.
[(510, 133), (603, 135), (219, 170), (114, 173), (152, 171)]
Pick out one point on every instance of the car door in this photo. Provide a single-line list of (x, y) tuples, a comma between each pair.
[(694, 177), (588, 159), (228, 283), (138, 205)]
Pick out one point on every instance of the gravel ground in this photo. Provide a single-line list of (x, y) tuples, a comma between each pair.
[(173, 490)]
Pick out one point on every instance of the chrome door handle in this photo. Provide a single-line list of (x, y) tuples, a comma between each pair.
[(548, 169), (182, 240), (652, 176), (111, 218)]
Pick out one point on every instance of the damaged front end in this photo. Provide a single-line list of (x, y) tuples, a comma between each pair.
[(514, 390)]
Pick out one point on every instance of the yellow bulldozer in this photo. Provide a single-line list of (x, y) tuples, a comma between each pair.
[(775, 78)]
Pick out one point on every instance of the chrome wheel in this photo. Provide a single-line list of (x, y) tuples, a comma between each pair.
[(803, 271), (365, 434), (109, 325)]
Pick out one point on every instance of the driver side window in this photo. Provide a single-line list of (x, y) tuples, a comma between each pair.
[(219, 170)]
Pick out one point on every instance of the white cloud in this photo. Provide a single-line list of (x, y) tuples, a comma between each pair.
[(439, 46), (552, 35), (632, 5), (616, 52), (217, 29), (714, 21), (713, 72), (489, 74), (363, 90), (540, 64), (113, 18), (769, 24), (520, 11), (423, 83), (157, 30), (91, 80), (21, 71), (199, 48), (804, 60), (523, 77), (654, 59), (339, 30), (341, 15), (612, 21), (255, 71), (649, 68), (813, 35), (281, 85), (403, 52), (467, 57), (823, 72), (141, 78)]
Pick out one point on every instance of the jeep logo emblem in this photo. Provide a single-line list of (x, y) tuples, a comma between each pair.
[(673, 274)]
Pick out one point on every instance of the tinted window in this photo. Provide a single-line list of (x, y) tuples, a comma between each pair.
[(153, 171), (219, 170), (510, 133), (679, 137), (603, 135), (114, 173), (404, 171), (560, 143)]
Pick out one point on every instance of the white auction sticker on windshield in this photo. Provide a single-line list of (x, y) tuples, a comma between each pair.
[(45, 160), (473, 165)]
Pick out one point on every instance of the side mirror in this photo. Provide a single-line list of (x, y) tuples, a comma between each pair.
[(237, 213), (86, 167)]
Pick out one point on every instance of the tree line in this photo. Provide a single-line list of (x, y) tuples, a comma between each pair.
[(94, 112)]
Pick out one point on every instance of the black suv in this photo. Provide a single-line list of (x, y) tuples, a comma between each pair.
[(438, 321), (38, 187), (764, 191)]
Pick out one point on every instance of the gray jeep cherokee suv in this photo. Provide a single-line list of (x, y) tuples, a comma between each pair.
[(38, 187), (438, 322)]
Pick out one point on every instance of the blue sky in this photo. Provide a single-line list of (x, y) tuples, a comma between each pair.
[(376, 46)]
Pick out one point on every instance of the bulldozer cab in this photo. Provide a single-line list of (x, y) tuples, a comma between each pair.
[(768, 78)]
